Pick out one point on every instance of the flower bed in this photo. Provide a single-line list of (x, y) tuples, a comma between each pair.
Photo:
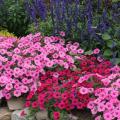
[(58, 76)]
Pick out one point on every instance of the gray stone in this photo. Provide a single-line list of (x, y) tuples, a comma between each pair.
[(16, 103), (18, 115), (5, 114), (72, 117), (42, 115)]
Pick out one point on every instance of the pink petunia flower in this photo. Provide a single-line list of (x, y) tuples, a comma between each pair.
[(62, 33), (83, 90), (96, 51), (17, 93)]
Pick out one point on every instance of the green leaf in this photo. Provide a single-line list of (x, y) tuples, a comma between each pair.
[(88, 52), (115, 1), (106, 36), (110, 44), (107, 52), (117, 60)]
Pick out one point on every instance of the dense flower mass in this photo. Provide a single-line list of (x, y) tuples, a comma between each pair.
[(92, 64), (58, 76), (58, 87), (107, 98), (22, 61)]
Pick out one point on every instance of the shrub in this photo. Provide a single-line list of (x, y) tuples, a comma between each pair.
[(13, 16)]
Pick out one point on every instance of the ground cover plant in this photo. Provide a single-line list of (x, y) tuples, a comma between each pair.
[(56, 76)]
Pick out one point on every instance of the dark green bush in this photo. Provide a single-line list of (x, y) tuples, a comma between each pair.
[(13, 16)]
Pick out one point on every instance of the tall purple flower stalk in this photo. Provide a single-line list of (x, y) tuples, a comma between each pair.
[(68, 14), (36, 8), (41, 8), (89, 13), (99, 2), (1, 2)]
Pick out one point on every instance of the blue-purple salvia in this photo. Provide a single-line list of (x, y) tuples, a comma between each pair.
[(89, 15), (41, 8), (99, 4), (66, 15)]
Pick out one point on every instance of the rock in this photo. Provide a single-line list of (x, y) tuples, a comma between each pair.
[(42, 115), (21, 115), (16, 103), (72, 117), (5, 114)]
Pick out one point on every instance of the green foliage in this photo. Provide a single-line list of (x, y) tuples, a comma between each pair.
[(112, 44), (106, 36), (115, 1), (5, 33), (45, 27), (13, 16), (107, 52), (31, 113)]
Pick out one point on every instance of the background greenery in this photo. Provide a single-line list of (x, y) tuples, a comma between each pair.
[(13, 16)]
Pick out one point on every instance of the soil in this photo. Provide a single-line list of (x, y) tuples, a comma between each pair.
[(83, 114)]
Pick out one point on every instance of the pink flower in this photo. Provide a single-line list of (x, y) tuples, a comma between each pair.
[(55, 55), (25, 81), (8, 96), (56, 115), (114, 93), (91, 90), (62, 33), (16, 70), (17, 93), (98, 118), (109, 106), (23, 113), (100, 59), (93, 111), (90, 105), (56, 95), (24, 89), (33, 87), (76, 44), (101, 107), (17, 50), (56, 75), (61, 54), (108, 116), (106, 82), (96, 51), (83, 90), (80, 51), (49, 64), (17, 85), (35, 104), (27, 104), (9, 87)]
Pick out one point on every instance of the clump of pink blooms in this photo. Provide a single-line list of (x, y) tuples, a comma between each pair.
[(106, 102), (23, 60)]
